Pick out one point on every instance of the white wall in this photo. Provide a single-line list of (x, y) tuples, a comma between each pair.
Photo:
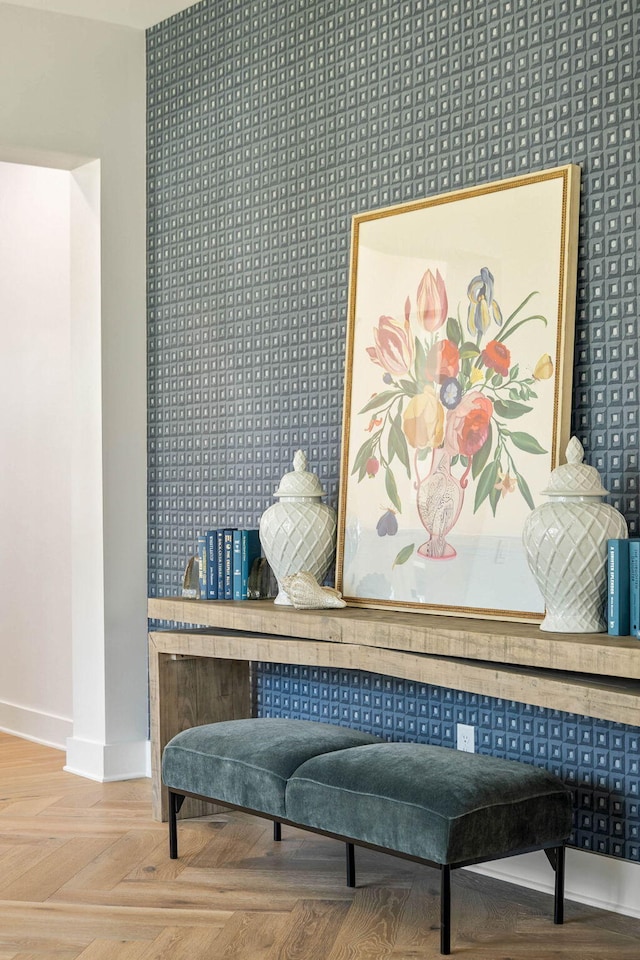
[(35, 440), (72, 95)]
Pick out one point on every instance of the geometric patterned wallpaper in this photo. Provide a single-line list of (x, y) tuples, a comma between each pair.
[(269, 126), (598, 760)]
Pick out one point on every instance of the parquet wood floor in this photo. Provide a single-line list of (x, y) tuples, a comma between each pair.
[(85, 875)]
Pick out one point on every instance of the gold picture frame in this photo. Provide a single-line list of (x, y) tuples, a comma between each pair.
[(457, 394)]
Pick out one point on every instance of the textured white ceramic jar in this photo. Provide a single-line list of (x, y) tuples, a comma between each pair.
[(299, 532), (566, 544)]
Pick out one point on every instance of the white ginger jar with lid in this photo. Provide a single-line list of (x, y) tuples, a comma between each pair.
[(299, 532), (566, 544)]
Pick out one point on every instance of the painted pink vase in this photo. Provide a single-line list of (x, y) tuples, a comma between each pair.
[(439, 502)]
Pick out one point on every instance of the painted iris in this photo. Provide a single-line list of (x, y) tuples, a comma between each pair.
[(483, 308)]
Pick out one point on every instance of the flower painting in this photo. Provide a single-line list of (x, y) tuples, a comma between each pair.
[(450, 393), (459, 356)]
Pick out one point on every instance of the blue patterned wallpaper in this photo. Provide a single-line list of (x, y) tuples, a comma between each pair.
[(269, 126), (600, 761)]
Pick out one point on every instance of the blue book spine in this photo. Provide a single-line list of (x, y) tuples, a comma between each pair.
[(634, 587), (618, 588), (212, 565), (237, 564), (251, 550), (202, 566), (220, 563), (228, 564), (212, 587)]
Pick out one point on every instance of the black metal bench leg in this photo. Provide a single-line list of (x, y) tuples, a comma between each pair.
[(555, 856), (351, 865), (445, 909), (277, 830), (558, 910), (175, 802)]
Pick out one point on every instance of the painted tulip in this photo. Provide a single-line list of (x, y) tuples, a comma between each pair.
[(496, 357), (393, 348), (423, 420), (482, 307), (544, 368), (433, 305)]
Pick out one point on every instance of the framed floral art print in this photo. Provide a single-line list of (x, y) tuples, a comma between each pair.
[(457, 394)]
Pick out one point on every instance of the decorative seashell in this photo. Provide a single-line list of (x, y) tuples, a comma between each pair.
[(305, 593)]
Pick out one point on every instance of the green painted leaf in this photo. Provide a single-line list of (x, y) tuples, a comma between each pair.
[(365, 451), (392, 490), (509, 409), (398, 444), (380, 400), (486, 483), (468, 350), (524, 441), (526, 493), (410, 387), (454, 332), (404, 555), (420, 364), (517, 310), (497, 380), (507, 333), (514, 372), (494, 499), (481, 457)]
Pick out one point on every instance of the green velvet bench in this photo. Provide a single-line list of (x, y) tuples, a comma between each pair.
[(437, 806)]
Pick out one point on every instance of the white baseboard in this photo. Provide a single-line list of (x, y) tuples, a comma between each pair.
[(35, 725), (590, 878), (105, 762)]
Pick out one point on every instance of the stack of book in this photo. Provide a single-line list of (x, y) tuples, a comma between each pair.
[(623, 587), (225, 558)]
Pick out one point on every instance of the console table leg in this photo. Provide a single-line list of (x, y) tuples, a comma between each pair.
[(187, 691)]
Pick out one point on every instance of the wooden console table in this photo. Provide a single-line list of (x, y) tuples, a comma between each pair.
[(202, 675)]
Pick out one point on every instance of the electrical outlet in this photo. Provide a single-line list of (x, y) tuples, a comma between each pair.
[(466, 737)]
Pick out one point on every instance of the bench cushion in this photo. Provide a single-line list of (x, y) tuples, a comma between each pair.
[(431, 802), (247, 762)]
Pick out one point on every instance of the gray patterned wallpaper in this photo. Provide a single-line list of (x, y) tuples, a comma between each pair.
[(269, 126)]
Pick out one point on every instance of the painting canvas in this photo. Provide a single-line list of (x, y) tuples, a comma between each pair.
[(457, 394)]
